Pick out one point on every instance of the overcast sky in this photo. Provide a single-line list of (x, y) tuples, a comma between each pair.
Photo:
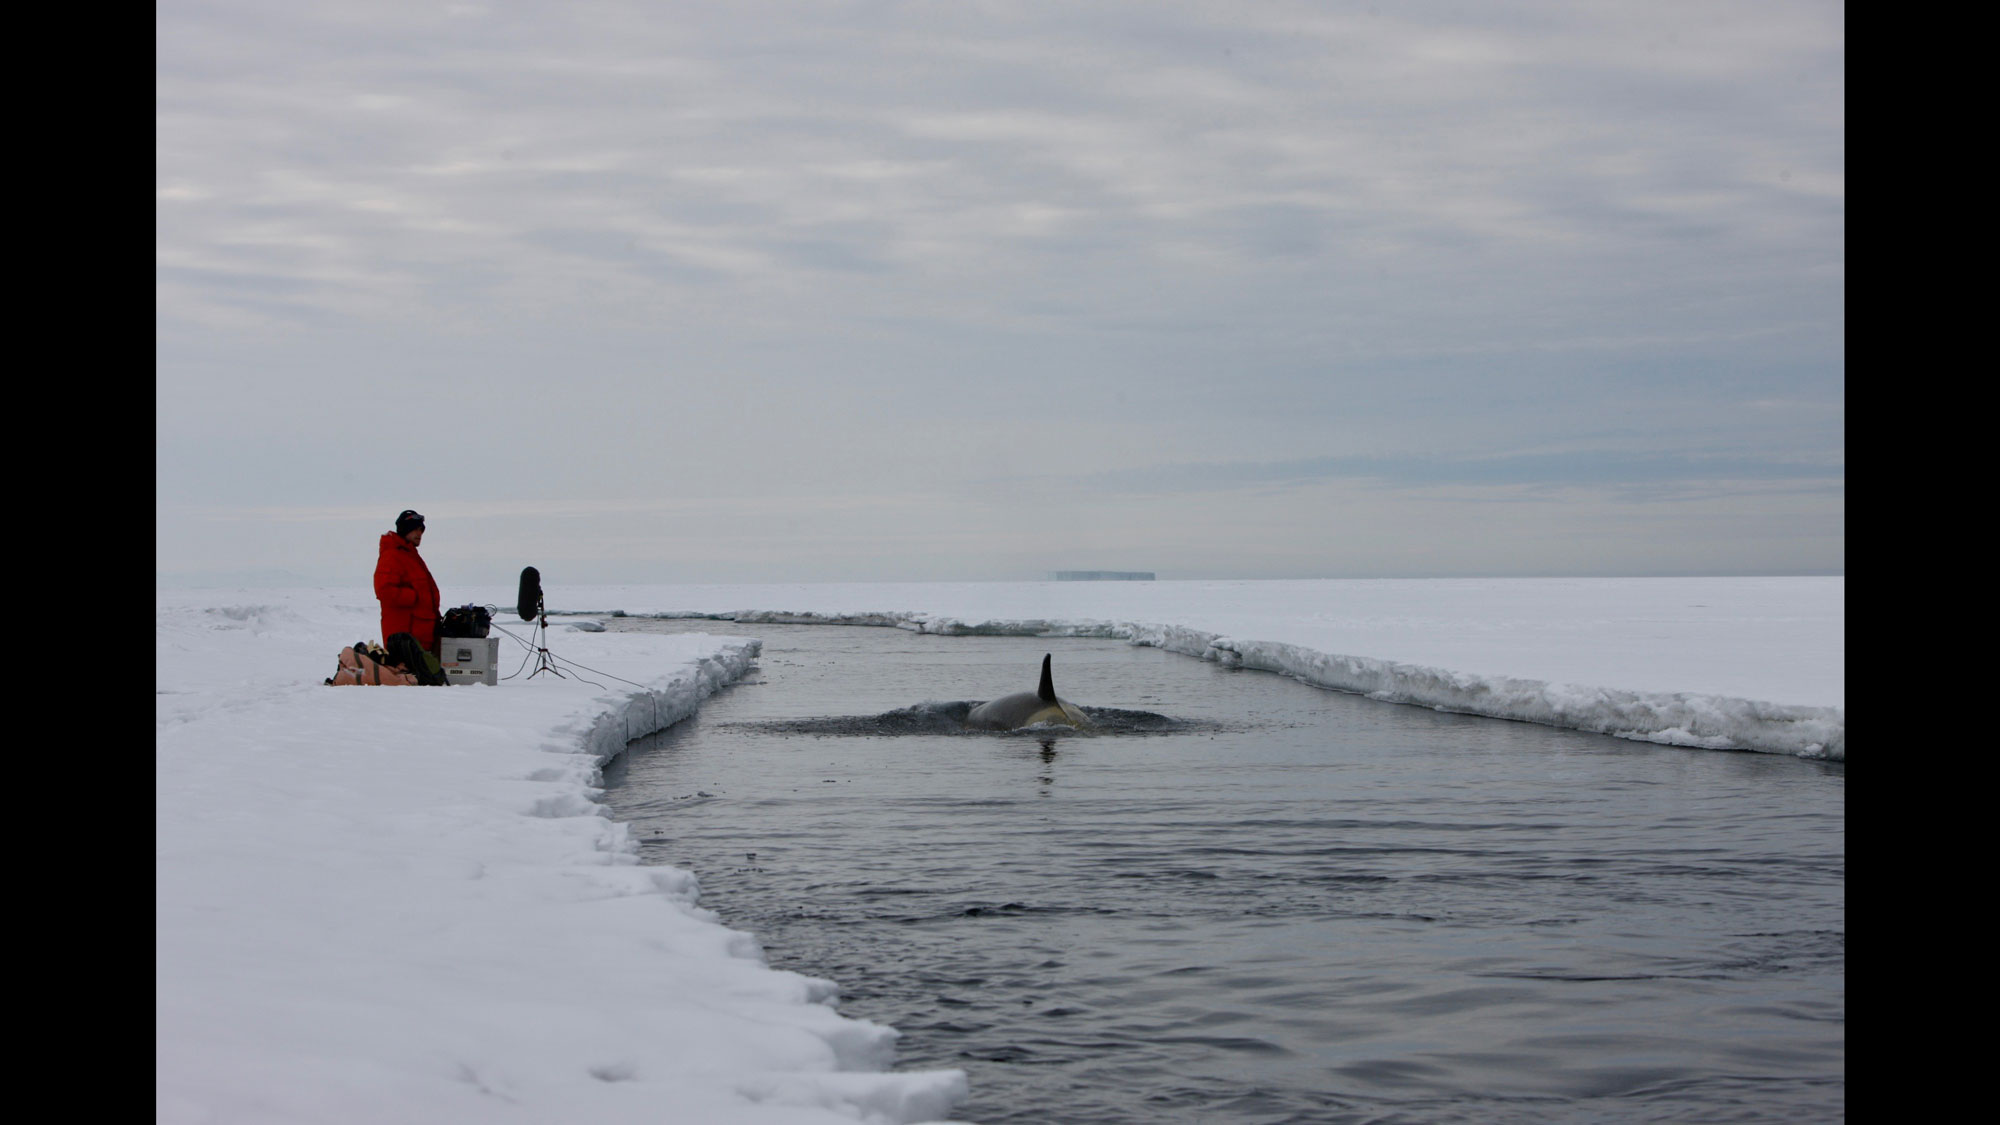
[(956, 290)]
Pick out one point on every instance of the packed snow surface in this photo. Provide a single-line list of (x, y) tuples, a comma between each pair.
[(404, 905)]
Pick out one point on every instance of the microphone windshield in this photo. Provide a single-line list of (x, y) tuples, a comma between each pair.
[(530, 601)]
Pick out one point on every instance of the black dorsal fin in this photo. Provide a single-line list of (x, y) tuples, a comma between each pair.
[(1048, 689)]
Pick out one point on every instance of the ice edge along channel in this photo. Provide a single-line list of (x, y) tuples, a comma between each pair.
[(1686, 719)]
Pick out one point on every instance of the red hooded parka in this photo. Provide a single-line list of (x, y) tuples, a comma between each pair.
[(408, 594)]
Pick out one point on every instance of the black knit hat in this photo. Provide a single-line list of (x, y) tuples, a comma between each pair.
[(408, 521)]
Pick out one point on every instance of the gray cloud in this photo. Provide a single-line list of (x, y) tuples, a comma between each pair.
[(781, 252), (1610, 469)]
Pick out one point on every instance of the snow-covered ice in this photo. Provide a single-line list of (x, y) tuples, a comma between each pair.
[(408, 905)]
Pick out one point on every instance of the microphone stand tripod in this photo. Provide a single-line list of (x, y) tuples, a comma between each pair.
[(542, 661)]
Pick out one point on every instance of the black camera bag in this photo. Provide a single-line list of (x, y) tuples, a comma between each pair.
[(466, 621)]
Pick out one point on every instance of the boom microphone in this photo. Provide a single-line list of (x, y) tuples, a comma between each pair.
[(530, 601)]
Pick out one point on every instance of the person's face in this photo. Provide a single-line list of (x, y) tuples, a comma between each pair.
[(415, 535)]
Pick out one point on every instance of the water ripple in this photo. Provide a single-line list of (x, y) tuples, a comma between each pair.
[(1264, 903)]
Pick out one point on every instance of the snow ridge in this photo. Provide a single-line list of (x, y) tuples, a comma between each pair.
[(1711, 722), (642, 711)]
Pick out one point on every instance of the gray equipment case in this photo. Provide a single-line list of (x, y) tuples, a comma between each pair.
[(470, 660)]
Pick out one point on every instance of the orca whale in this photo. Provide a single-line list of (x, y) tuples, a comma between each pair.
[(1026, 708)]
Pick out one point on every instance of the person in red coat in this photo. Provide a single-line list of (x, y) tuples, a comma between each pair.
[(403, 584)]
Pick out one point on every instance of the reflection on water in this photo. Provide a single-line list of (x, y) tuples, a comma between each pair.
[(1260, 901)]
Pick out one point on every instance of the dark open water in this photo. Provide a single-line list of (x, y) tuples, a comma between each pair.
[(1258, 901)]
